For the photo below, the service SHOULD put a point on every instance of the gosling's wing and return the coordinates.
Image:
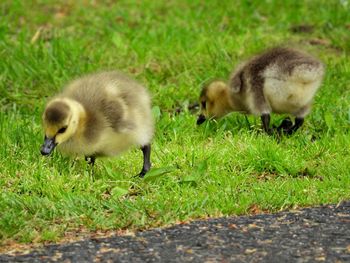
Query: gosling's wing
(115, 113)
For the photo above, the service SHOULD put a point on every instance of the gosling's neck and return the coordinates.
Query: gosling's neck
(234, 101)
(231, 101)
(225, 100)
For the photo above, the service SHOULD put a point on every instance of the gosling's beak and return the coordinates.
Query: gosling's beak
(201, 119)
(48, 146)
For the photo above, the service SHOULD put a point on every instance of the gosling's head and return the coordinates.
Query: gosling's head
(214, 101)
(60, 122)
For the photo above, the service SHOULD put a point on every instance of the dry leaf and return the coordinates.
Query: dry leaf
(250, 250)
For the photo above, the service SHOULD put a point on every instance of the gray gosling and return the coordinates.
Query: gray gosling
(281, 80)
(98, 115)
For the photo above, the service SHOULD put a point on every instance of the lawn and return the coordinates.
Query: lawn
(225, 167)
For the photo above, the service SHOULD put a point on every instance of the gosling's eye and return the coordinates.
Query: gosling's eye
(62, 130)
(203, 104)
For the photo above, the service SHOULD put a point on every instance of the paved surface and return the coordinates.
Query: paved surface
(311, 235)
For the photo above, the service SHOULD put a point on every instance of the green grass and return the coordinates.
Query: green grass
(226, 167)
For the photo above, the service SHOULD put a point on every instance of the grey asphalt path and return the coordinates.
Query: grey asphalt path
(320, 234)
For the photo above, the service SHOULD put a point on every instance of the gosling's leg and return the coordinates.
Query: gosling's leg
(265, 118)
(299, 119)
(285, 125)
(298, 123)
(90, 160)
(146, 150)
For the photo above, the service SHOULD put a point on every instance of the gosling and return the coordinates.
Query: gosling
(99, 115)
(281, 80)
